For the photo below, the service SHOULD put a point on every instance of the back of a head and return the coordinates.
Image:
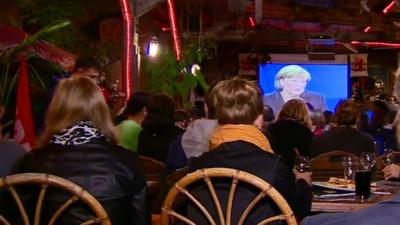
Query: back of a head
(317, 118)
(328, 115)
(163, 105)
(236, 102)
(136, 103)
(268, 113)
(347, 113)
(297, 110)
(77, 99)
(87, 62)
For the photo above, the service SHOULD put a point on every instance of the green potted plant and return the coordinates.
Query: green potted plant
(175, 78)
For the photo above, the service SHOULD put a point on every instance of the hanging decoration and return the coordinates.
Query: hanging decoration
(358, 65)
(127, 59)
(175, 36)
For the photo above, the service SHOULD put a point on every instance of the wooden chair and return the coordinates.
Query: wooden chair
(168, 214)
(328, 165)
(153, 169)
(155, 174)
(45, 181)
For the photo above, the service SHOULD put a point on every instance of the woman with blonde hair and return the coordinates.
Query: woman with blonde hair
(290, 135)
(79, 144)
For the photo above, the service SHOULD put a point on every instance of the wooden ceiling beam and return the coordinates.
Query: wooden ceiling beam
(322, 15)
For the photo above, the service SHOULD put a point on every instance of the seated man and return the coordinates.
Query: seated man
(130, 128)
(238, 143)
(345, 136)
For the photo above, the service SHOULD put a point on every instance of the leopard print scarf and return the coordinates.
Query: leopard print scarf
(76, 134)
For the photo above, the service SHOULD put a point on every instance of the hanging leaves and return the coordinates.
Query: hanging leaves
(166, 75)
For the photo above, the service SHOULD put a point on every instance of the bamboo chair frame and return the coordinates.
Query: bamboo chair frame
(205, 174)
(46, 180)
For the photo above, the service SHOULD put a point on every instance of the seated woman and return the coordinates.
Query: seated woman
(290, 135)
(238, 143)
(79, 144)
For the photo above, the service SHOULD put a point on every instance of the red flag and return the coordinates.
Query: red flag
(24, 132)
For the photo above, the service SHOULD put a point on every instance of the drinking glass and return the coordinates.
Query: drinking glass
(363, 184)
(368, 160)
(349, 168)
(388, 157)
(301, 164)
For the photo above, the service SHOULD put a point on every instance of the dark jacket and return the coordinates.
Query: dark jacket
(250, 158)
(109, 172)
(285, 135)
(343, 138)
(275, 100)
(157, 135)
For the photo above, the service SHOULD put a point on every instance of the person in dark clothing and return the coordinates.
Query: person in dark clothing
(158, 130)
(345, 136)
(238, 143)
(290, 135)
(387, 133)
(79, 144)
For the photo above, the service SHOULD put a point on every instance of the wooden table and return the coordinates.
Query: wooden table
(350, 205)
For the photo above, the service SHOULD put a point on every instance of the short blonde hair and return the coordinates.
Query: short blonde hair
(77, 99)
(291, 71)
(236, 102)
(296, 109)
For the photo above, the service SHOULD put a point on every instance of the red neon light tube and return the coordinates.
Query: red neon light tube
(175, 36)
(367, 29)
(377, 44)
(389, 7)
(127, 65)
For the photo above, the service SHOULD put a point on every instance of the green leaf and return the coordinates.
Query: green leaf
(38, 35)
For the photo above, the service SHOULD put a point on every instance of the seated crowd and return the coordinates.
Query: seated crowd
(81, 143)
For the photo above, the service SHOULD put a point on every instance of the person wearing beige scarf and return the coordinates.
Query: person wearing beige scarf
(238, 143)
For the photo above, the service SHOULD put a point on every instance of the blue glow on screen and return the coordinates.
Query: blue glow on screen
(331, 80)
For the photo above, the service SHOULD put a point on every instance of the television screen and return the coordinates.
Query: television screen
(329, 80)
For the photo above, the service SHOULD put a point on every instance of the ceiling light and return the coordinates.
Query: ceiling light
(153, 47)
